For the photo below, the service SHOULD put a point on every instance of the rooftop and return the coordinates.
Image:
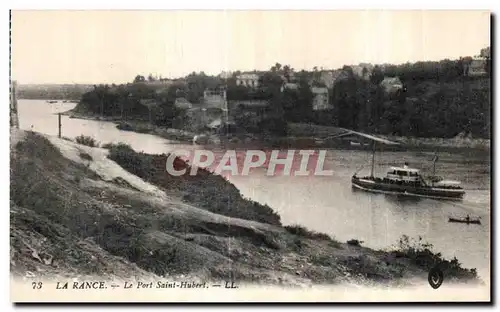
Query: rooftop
(247, 76)
(404, 169)
(391, 80)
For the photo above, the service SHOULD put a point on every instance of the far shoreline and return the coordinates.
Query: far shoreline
(141, 125)
(306, 141)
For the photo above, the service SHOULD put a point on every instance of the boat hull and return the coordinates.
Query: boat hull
(464, 221)
(381, 186)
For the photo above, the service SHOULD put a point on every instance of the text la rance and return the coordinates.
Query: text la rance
(81, 285)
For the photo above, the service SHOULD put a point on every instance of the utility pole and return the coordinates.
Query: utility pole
(59, 124)
(373, 159)
(149, 111)
(226, 112)
(102, 105)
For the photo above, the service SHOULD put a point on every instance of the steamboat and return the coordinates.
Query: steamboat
(407, 181)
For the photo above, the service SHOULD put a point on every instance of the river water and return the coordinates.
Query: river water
(327, 203)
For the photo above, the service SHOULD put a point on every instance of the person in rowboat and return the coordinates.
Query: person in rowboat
(468, 218)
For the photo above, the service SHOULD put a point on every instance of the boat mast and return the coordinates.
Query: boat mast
(373, 158)
(434, 164)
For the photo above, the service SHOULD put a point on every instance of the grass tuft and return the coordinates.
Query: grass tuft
(86, 140)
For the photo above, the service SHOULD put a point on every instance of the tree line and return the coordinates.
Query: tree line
(52, 91)
(438, 99)
(131, 101)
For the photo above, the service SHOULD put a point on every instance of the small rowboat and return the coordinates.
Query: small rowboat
(464, 220)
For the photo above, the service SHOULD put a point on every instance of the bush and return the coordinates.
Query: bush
(322, 260)
(302, 231)
(107, 145)
(137, 163)
(421, 254)
(355, 242)
(204, 190)
(124, 126)
(86, 140)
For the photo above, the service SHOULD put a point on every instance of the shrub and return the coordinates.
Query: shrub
(322, 260)
(355, 242)
(107, 145)
(204, 190)
(86, 140)
(137, 163)
(124, 126)
(302, 231)
(421, 254)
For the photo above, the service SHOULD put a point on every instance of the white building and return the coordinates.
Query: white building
(391, 84)
(182, 102)
(289, 86)
(321, 99)
(214, 98)
(477, 67)
(248, 80)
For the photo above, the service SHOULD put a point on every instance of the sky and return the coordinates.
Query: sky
(115, 46)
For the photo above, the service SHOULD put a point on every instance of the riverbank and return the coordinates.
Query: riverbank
(459, 142)
(300, 135)
(136, 125)
(79, 210)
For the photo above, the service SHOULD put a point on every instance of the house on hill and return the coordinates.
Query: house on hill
(213, 98)
(321, 98)
(392, 84)
(289, 86)
(182, 102)
(250, 80)
(477, 67)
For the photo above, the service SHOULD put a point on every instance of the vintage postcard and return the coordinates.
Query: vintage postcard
(250, 156)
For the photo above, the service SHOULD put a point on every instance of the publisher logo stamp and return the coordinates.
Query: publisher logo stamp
(435, 277)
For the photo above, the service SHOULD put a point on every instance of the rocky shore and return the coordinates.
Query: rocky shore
(300, 136)
(137, 125)
(460, 141)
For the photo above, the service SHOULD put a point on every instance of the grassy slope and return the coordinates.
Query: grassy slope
(75, 212)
